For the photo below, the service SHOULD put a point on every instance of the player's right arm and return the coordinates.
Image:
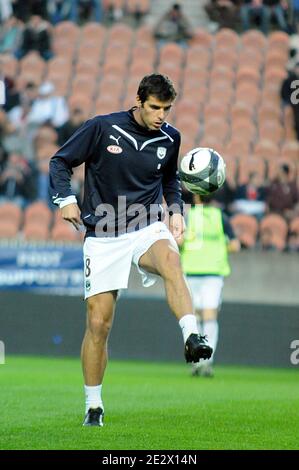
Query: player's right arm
(72, 213)
(77, 150)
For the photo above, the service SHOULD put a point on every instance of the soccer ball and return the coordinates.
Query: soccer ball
(202, 170)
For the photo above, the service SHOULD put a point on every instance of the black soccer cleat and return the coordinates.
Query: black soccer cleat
(197, 348)
(94, 417)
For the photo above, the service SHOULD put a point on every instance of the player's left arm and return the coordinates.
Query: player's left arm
(173, 194)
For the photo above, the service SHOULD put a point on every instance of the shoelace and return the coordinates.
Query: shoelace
(203, 338)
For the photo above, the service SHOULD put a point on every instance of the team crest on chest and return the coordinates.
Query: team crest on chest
(161, 152)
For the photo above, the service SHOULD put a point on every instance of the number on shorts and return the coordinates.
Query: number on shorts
(87, 267)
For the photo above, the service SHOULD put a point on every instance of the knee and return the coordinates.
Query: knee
(98, 323)
(172, 266)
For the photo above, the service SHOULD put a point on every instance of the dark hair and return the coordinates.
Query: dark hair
(157, 85)
(285, 168)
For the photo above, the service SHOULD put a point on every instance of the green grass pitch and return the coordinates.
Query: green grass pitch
(148, 406)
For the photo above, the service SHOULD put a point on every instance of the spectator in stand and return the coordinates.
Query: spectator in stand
(16, 181)
(113, 13)
(76, 119)
(250, 198)
(295, 15)
(290, 96)
(48, 107)
(173, 26)
(12, 96)
(224, 197)
(36, 37)
(6, 10)
(10, 35)
(283, 195)
(59, 10)
(86, 10)
(23, 132)
(25, 9)
(224, 13)
(263, 10)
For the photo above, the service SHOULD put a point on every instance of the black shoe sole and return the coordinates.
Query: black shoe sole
(203, 353)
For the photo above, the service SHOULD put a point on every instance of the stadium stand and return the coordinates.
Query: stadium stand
(229, 98)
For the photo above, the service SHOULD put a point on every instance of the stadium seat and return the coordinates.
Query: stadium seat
(94, 32)
(144, 52)
(248, 93)
(202, 38)
(172, 52)
(120, 33)
(144, 35)
(273, 232)
(143, 6)
(240, 111)
(65, 232)
(290, 150)
(198, 58)
(251, 58)
(186, 107)
(245, 129)
(38, 212)
(225, 57)
(293, 241)
(215, 110)
(10, 65)
(246, 229)
(67, 30)
(270, 130)
(246, 74)
(249, 166)
(33, 61)
(266, 149)
(219, 73)
(10, 212)
(237, 147)
(217, 127)
(226, 37)
(278, 40)
(276, 59)
(35, 231)
(8, 229)
(254, 39)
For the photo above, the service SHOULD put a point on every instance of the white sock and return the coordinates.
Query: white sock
(210, 328)
(188, 325)
(93, 397)
(199, 325)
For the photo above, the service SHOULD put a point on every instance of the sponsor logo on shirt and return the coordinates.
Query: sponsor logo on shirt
(114, 149)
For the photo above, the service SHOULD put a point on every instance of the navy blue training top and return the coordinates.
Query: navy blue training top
(124, 159)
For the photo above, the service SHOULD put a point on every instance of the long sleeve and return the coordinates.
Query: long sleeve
(171, 184)
(74, 152)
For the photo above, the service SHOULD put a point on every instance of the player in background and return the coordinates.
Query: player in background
(130, 164)
(204, 254)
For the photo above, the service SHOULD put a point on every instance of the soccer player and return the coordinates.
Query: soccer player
(204, 254)
(130, 163)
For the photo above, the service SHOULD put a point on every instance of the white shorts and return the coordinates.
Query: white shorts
(206, 291)
(107, 261)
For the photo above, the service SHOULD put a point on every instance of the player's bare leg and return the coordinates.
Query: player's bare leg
(162, 258)
(100, 311)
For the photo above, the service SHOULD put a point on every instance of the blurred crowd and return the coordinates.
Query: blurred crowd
(36, 118)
